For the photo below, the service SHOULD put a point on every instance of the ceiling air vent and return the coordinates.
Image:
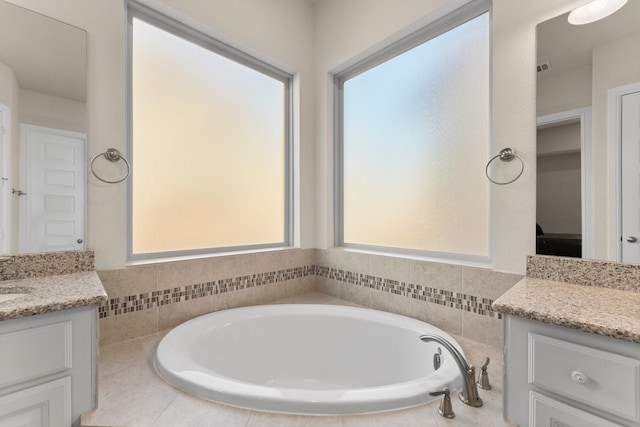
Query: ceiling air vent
(545, 66)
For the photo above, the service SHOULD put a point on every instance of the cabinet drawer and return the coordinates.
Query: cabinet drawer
(36, 352)
(547, 412)
(600, 379)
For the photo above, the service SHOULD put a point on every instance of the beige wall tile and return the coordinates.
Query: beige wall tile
(123, 327)
(172, 315)
(239, 298)
(485, 329)
(446, 318)
(487, 283)
(268, 293)
(355, 294)
(301, 257)
(328, 286)
(322, 257)
(232, 266)
(388, 267)
(301, 285)
(183, 273)
(270, 261)
(392, 303)
(129, 281)
(355, 262)
(437, 275)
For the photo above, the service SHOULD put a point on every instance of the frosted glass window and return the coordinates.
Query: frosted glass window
(415, 141)
(209, 148)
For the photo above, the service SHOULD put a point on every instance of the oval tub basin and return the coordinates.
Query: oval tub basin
(306, 359)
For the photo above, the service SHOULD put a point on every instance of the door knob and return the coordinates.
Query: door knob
(632, 239)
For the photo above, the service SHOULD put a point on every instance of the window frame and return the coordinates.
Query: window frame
(431, 30)
(201, 37)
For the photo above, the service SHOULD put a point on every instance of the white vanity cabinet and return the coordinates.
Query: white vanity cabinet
(47, 368)
(561, 377)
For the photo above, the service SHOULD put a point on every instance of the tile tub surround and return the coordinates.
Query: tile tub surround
(23, 266)
(147, 299)
(131, 394)
(604, 299)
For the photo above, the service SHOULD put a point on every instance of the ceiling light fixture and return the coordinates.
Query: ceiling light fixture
(595, 10)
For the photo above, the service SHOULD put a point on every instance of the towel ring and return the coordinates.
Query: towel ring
(112, 155)
(506, 155)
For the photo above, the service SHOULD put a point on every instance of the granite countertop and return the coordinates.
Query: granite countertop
(600, 310)
(50, 293)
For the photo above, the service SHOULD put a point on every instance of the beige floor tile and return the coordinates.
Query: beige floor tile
(265, 419)
(420, 416)
(114, 357)
(189, 411)
(132, 408)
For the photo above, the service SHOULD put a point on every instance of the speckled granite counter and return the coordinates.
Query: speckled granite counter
(604, 301)
(51, 293)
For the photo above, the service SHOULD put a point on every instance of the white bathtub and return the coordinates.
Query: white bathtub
(306, 359)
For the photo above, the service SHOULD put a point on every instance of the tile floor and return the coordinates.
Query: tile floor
(131, 394)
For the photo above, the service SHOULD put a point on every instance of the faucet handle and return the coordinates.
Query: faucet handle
(483, 378)
(445, 409)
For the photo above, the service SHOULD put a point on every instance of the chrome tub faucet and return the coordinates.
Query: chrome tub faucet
(469, 393)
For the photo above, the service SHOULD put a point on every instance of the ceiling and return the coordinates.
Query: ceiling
(568, 47)
(46, 55)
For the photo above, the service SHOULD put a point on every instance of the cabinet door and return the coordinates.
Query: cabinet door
(45, 405)
(547, 412)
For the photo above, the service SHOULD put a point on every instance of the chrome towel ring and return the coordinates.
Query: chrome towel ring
(112, 155)
(506, 155)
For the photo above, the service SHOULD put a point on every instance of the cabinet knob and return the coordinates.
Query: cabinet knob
(579, 377)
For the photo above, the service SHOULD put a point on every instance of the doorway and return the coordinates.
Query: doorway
(554, 158)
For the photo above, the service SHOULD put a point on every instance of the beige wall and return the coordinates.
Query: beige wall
(565, 91)
(286, 31)
(51, 111)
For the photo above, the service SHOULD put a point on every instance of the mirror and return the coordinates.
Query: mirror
(578, 68)
(43, 146)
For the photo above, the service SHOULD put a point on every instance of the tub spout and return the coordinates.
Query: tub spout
(469, 393)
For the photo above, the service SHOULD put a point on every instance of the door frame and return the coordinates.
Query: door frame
(584, 116)
(614, 132)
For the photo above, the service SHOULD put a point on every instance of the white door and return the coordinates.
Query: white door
(53, 214)
(630, 177)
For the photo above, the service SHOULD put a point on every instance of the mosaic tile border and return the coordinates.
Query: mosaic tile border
(455, 300)
(132, 303)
